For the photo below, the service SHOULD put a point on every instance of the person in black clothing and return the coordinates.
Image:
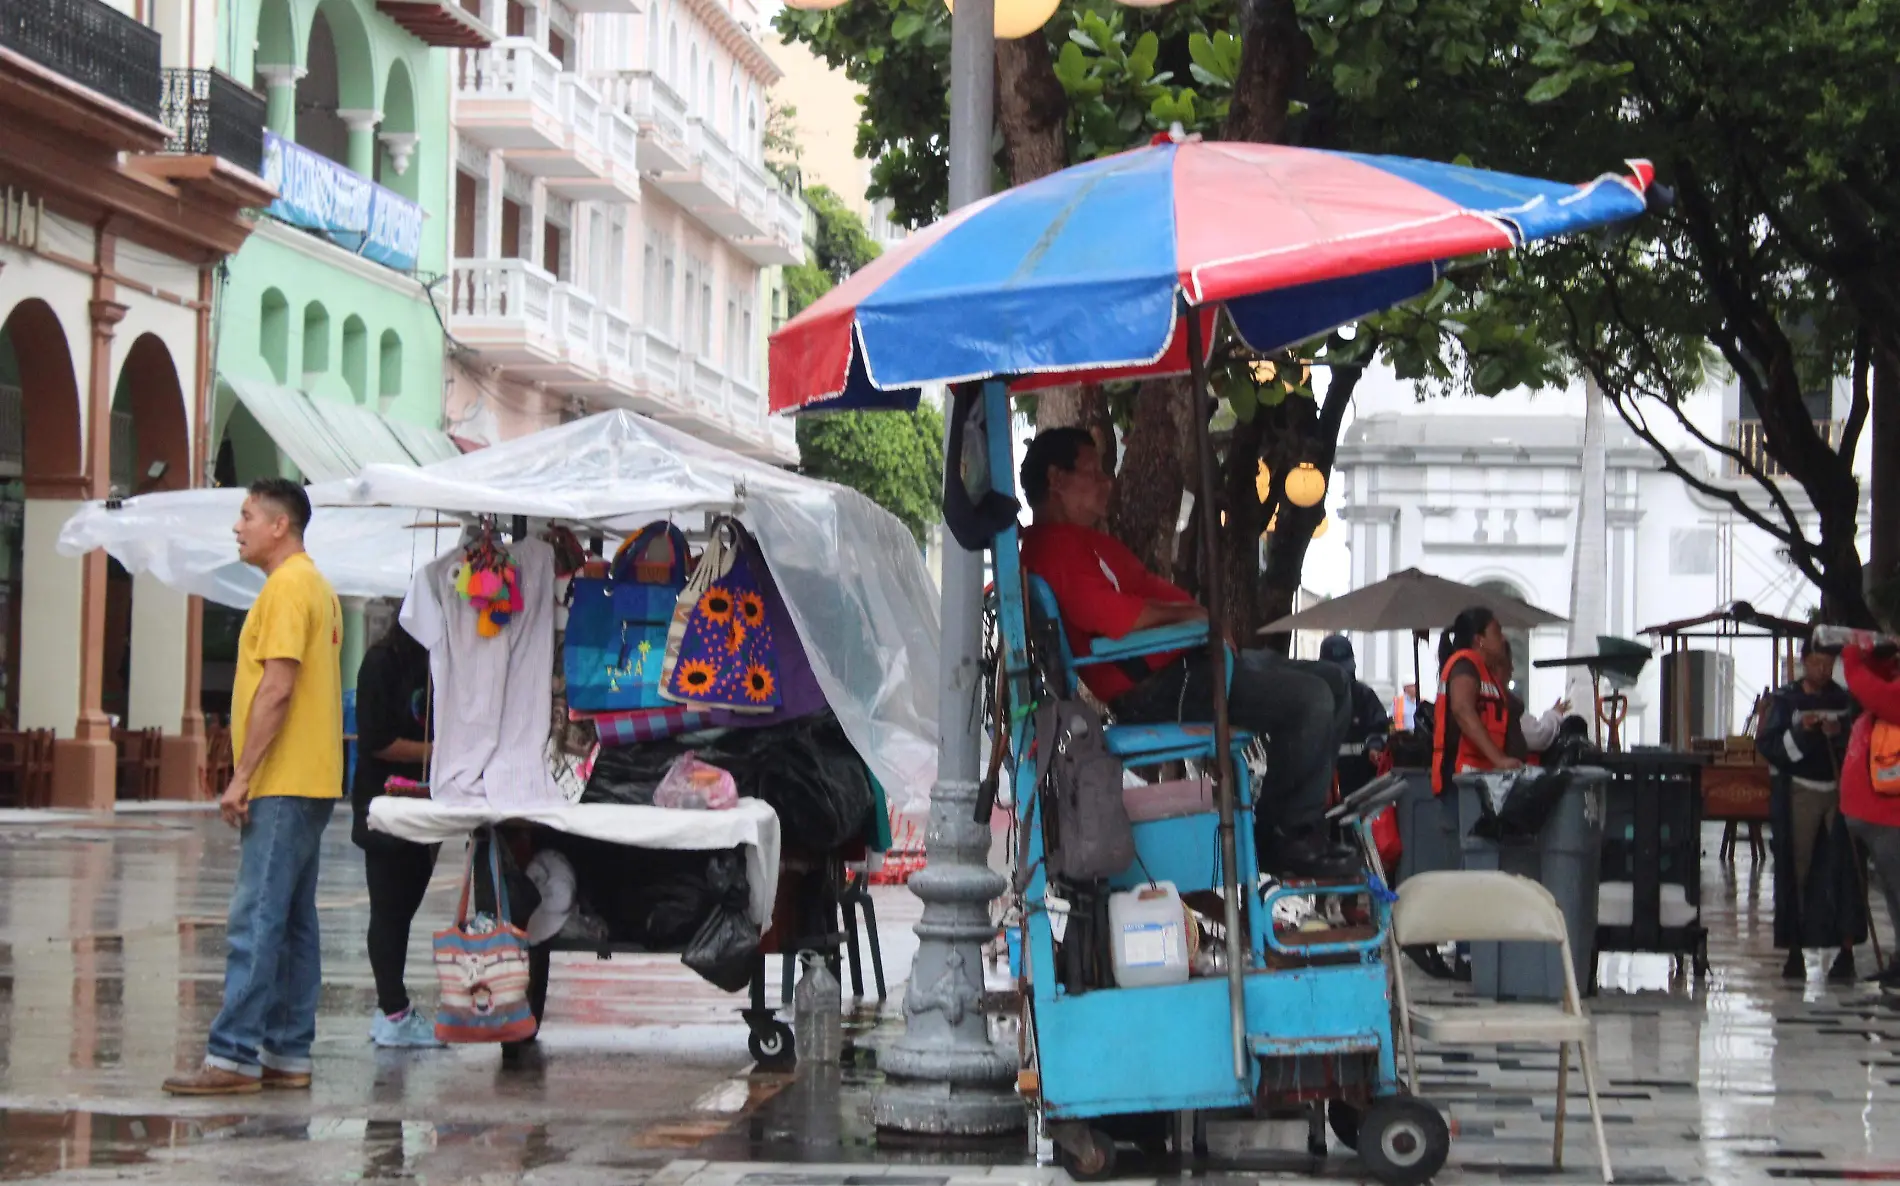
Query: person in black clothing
(392, 739)
(1817, 893)
(1370, 722)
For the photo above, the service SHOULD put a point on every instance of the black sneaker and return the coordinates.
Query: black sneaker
(1796, 968)
(1304, 856)
(1843, 971)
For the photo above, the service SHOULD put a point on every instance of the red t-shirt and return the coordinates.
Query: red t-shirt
(1876, 685)
(1101, 589)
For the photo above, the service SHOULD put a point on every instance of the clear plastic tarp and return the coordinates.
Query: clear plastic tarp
(852, 576)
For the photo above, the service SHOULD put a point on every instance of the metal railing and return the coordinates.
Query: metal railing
(91, 43)
(212, 114)
(1748, 438)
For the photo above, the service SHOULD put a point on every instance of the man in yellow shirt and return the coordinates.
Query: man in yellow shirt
(287, 734)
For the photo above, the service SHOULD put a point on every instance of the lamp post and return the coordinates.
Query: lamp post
(946, 1078)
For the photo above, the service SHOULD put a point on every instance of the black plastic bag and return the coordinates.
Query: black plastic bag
(1530, 797)
(806, 770)
(725, 949)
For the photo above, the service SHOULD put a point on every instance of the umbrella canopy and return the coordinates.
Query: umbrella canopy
(1411, 600)
(1082, 275)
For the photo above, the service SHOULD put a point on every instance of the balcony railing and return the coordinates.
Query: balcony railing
(1747, 438)
(512, 68)
(91, 43)
(502, 290)
(581, 111)
(212, 114)
(716, 163)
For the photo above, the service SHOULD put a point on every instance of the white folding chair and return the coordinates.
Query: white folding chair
(1481, 907)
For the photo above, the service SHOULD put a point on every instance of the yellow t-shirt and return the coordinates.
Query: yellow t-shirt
(297, 616)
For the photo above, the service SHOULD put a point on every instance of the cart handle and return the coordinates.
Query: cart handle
(1367, 946)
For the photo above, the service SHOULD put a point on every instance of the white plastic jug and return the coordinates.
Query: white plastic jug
(1148, 931)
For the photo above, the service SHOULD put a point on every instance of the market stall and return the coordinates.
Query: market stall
(840, 590)
(1735, 783)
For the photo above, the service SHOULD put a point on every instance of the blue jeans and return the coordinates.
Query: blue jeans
(272, 975)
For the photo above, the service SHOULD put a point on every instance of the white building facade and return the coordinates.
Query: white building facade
(613, 219)
(1486, 493)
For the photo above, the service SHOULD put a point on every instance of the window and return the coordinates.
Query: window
(510, 229)
(705, 314)
(316, 339)
(754, 144)
(666, 291)
(389, 366)
(732, 336)
(673, 54)
(748, 347)
(356, 357)
(691, 336)
(467, 199)
(653, 35)
(650, 280)
(554, 256)
(273, 333)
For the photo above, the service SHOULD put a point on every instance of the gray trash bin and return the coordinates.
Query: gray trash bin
(1564, 859)
(1428, 827)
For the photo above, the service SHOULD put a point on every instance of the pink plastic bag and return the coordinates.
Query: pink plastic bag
(696, 786)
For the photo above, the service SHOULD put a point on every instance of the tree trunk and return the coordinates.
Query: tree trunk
(1031, 109)
(1307, 434)
(1273, 59)
(1147, 506)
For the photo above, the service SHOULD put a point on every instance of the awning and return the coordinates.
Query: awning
(328, 439)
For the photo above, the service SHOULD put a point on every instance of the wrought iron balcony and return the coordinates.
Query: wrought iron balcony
(89, 42)
(1751, 440)
(212, 114)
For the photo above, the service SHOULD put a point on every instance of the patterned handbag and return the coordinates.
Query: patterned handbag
(483, 975)
(615, 645)
(719, 648)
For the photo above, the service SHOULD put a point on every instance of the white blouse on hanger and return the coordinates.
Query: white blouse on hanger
(493, 696)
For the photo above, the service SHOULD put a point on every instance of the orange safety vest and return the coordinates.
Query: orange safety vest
(1452, 752)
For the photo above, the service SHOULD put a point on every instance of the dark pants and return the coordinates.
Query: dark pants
(398, 874)
(1303, 708)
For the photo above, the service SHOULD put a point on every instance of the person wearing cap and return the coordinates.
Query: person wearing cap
(1370, 722)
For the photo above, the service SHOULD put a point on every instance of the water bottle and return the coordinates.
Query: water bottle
(818, 1013)
(1833, 638)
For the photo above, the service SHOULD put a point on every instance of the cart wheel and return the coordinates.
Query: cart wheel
(1089, 1156)
(1404, 1142)
(771, 1046)
(1344, 1119)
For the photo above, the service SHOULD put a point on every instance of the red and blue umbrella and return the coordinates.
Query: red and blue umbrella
(1085, 274)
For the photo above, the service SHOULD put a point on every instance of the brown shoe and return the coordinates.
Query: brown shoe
(276, 1080)
(209, 1080)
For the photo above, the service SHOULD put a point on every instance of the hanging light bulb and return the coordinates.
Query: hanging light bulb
(1263, 482)
(813, 5)
(1018, 18)
(1306, 486)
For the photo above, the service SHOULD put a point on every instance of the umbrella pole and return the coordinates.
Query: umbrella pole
(1223, 729)
(1418, 683)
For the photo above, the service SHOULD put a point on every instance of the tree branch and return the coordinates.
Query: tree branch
(1863, 401)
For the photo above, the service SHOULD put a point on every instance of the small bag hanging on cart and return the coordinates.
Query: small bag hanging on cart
(615, 648)
(483, 974)
(720, 651)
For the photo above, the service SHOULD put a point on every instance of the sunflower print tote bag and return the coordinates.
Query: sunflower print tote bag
(720, 650)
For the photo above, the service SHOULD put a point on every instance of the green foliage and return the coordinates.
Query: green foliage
(892, 458)
(841, 248)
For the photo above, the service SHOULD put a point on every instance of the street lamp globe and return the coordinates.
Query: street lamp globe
(1018, 18)
(1305, 486)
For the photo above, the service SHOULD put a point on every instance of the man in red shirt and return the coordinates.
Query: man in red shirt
(1873, 678)
(1104, 591)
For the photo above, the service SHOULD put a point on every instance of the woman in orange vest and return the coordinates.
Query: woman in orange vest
(1473, 705)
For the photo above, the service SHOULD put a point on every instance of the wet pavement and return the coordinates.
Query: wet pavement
(111, 963)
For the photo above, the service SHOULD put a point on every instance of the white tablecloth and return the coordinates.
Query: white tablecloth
(751, 824)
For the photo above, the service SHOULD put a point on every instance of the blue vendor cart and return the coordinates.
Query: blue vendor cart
(1130, 267)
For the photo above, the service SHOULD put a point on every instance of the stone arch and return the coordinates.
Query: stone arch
(733, 119)
(356, 357)
(389, 366)
(341, 75)
(689, 90)
(656, 22)
(316, 338)
(277, 40)
(149, 389)
(41, 358)
(399, 150)
(673, 54)
(273, 333)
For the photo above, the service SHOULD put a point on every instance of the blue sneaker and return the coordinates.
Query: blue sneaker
(415, 1030)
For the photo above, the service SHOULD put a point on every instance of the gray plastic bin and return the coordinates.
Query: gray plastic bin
(1428, 828)
(1565, 859)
